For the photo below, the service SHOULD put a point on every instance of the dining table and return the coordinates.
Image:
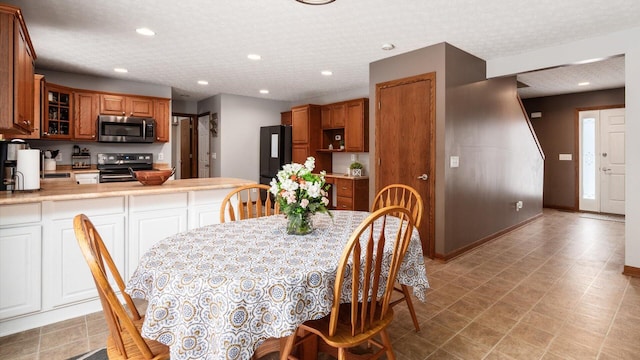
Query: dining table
(220, 291)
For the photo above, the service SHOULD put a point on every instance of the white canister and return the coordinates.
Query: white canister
(49, 164)
(28, 170)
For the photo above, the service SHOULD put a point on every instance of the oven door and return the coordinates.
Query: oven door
(107, 176)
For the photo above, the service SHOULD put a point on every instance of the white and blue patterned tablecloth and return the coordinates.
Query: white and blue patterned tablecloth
(219, 291)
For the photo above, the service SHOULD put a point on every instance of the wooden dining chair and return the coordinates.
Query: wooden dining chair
(124, 340)
(249, 201)
(368, 311)
(407, 197)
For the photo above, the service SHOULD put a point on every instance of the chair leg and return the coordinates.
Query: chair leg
(412, 311)
(386, 341)
(285, 352)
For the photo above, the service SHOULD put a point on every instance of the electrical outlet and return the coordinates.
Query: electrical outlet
(160, 156)
(354, 157)
(519, 205)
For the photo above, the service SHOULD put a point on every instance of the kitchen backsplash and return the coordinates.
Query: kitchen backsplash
(66, 149)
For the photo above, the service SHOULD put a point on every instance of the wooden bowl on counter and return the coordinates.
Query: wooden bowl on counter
(152, 177)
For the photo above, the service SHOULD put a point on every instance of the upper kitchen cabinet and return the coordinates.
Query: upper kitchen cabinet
(161, 109)
(356, 129)
(86, 105)
(17, 70)
(306, 136)
(285, 118)
(112, 104)
(333, 115)
(57, 122)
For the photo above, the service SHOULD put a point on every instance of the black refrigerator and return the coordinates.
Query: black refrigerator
(275, 150)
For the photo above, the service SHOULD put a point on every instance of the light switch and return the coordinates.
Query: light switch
(454, 161)
(565, 157)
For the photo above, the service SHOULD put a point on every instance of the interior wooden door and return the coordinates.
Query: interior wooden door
(405, 143)
(185, 148)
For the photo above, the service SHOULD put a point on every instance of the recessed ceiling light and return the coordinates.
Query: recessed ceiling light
(254, 57)
(121, 70)
(203, 82)
(264, 91)
(315, 2)
(388, 47)
(326, 72)
(584, 83)
(145, 31)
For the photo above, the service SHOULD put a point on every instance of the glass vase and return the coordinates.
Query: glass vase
(299, 224)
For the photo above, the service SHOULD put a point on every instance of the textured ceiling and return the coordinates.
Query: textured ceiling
(210, 39)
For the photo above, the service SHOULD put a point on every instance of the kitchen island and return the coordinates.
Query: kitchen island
(43, 276)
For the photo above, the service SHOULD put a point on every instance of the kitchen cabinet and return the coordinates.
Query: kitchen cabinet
(285, 118)
(122, 105)
(356, 129)
(20, 259)
(38, 109)
(43, 275)
(333, 115)
(153, 218)
(17, 63)
(306, 136)
(67, 278)
(86, 177)
(161, 110)
(352, 193)
(58, 121)
(86, 108)
(204, 208)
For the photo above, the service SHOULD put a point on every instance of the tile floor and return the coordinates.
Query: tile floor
(552, 289)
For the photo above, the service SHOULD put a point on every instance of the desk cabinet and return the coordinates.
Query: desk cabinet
(351, 193)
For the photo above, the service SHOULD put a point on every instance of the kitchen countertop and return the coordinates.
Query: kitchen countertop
(344, 176)
(70, 191)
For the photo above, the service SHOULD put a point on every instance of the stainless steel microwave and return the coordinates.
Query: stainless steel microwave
(126, 129)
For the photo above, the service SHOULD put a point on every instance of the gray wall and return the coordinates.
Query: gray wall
(238, 142)
(556, 131)
(481, 122)
(499, 163)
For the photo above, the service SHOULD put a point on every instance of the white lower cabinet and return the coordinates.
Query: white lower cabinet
(205, 207)
(151, 219)
(68, 279)
(43, 276)
(20, 261)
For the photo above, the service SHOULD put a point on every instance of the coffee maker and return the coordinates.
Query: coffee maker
(9, 161)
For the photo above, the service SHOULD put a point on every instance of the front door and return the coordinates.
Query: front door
(602, 160)
(405, 143)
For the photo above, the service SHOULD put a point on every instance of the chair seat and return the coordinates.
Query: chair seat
(343, 337)
(160, 350)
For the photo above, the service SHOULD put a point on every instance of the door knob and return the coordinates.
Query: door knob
(423, 177)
